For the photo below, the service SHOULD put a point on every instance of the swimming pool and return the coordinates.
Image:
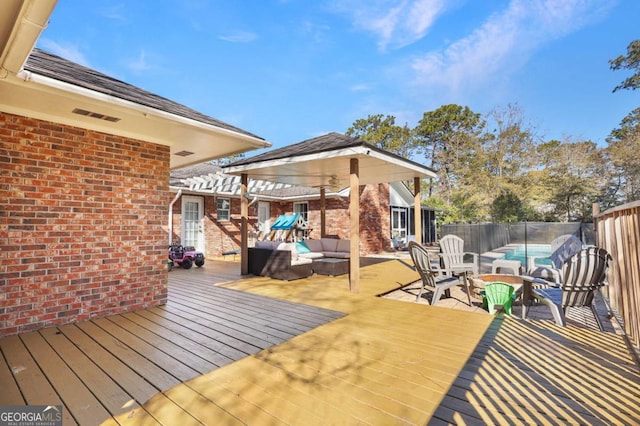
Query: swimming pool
(532, 250)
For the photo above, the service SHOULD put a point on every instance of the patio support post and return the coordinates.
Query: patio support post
(354, 221)
(417, 210)
(244, 222)
(323, 213)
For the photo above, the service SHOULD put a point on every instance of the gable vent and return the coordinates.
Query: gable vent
(95, 115)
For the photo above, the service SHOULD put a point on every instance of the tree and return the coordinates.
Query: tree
(623, 153)
(508, 146)
(574, 176)
(507, 207)
(382, 132)
(448, 138)
(629, 62)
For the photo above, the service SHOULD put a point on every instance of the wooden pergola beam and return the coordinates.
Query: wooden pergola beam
(354, 225)
(244, 224)
(417, 210)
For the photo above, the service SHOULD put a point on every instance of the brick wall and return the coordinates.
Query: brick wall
(220, 236)
(81, 224)
(375, 218)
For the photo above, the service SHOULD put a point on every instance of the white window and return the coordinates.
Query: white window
(223, 206)
(302, 209)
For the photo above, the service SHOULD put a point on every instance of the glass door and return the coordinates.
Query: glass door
(399, 224)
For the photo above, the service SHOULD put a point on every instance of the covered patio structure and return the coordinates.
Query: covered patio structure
(330, 161)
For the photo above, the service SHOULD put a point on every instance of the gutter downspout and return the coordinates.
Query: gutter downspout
(171, 214)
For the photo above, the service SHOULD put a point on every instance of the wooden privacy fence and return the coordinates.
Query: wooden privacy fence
(618, 231)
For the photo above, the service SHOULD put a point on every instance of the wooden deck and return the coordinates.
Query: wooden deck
(384, 362)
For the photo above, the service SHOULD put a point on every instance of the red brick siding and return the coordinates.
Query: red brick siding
(375, 219)
(82, 224)
(220, 236)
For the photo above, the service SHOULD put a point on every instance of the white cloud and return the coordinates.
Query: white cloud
(504, 43)
(139, 64)
(359, 87)
(70, 52)
(396, 24)
(239, 37)
(115, 12)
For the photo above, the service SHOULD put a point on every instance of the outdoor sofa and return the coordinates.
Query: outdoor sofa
(290, 261)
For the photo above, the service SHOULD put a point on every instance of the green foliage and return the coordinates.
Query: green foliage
(449, 140)
(382, 132)
(507, 207)
(623, 153)
(630, 61)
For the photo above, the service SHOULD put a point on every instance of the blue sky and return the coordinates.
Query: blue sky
(289, 70)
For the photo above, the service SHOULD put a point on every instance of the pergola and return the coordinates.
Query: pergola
(329, 161)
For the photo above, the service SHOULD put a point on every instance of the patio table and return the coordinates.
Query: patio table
(527, 291)
(463, 269)
(330, 266)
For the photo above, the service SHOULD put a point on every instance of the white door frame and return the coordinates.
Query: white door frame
(402, 231)
(187, 205)
(265, 225)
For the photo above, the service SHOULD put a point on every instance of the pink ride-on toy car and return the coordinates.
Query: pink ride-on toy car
(185, 256)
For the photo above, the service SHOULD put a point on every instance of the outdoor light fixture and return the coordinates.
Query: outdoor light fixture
(334, 183)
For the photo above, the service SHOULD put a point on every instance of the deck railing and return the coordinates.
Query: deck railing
(618, 231)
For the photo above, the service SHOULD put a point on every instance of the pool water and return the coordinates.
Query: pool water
(532, 250)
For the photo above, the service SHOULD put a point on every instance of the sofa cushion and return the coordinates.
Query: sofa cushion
(301, 261)
(311, 255)
(344, 246)
(314, 245)
(289, 247)
(272, 245)
(329, 244)
(302, 248)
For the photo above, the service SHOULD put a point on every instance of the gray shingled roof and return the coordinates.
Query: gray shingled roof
(178, 176)
(57, 68)
(328, 142)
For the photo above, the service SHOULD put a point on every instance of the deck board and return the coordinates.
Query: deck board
(33, 382)
(76, 397)
(107, 391)
(11, 391)
(134, 385)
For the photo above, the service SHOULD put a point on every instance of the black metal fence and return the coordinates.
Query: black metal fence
(484, 237)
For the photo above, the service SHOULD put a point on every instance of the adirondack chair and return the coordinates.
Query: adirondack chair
(439, 285)
(453, 256)
(498, 294)
(583, 274)
(562, 248)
